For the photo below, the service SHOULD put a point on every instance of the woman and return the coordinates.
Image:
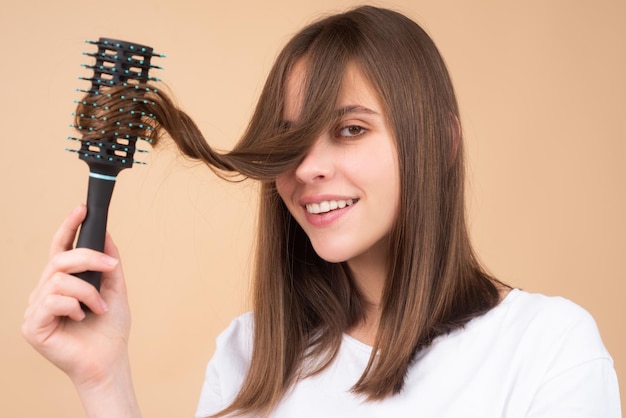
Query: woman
(368, 300)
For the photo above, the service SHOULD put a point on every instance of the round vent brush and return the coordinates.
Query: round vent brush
(110, 120)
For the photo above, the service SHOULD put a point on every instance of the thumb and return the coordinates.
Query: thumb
(113, 281)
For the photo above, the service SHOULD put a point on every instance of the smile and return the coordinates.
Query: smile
(328, 205)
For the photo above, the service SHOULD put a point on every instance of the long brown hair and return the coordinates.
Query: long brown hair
(303, 304)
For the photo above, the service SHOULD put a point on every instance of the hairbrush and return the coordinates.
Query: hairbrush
(110, 120)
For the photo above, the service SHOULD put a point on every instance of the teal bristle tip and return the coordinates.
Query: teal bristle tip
(112, 68)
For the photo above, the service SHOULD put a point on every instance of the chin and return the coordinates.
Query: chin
(333, 258)
(332, 254)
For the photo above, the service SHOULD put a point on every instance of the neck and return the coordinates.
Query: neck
(369, 272)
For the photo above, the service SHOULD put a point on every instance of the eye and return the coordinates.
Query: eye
(351, 131)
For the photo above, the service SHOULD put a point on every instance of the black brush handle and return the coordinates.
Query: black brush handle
(93, 230)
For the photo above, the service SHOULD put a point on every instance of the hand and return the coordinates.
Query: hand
(90, 348)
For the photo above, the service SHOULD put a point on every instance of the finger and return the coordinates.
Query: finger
(76, 261)
(64, 237)
(41, 320)
(71, 286)
(79, 260)
(110, 248)
(113, 280)
(61, 305)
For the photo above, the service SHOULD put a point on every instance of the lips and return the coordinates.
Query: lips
(326, 206)
(324, 211)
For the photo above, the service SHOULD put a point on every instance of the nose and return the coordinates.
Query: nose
(317, 165)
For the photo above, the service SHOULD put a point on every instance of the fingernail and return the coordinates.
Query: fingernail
(104, 305)
(109, 260)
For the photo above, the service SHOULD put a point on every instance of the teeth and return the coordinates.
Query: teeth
(327, 206)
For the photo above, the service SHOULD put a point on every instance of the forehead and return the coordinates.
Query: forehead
(355, 90)
(294, 91)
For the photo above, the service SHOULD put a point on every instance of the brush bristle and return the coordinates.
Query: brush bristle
(115, 111)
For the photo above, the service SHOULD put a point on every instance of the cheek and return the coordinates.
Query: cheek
(284, 187)
(388, 185)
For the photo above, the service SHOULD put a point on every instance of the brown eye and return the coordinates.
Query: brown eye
(351, 131)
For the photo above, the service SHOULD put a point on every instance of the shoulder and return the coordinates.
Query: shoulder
(233, 346)
(552, 327)
(552, 314)
(238, 333)
(227, 368)
(560, 356)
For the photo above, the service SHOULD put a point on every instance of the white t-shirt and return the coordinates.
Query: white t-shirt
(531, 356)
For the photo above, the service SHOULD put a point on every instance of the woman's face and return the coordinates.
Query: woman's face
(345, 192)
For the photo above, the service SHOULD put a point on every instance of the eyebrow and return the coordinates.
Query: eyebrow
(355, 109)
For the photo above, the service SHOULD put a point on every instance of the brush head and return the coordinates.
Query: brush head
(114, 113)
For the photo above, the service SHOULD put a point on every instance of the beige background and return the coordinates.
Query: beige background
(542, 90)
